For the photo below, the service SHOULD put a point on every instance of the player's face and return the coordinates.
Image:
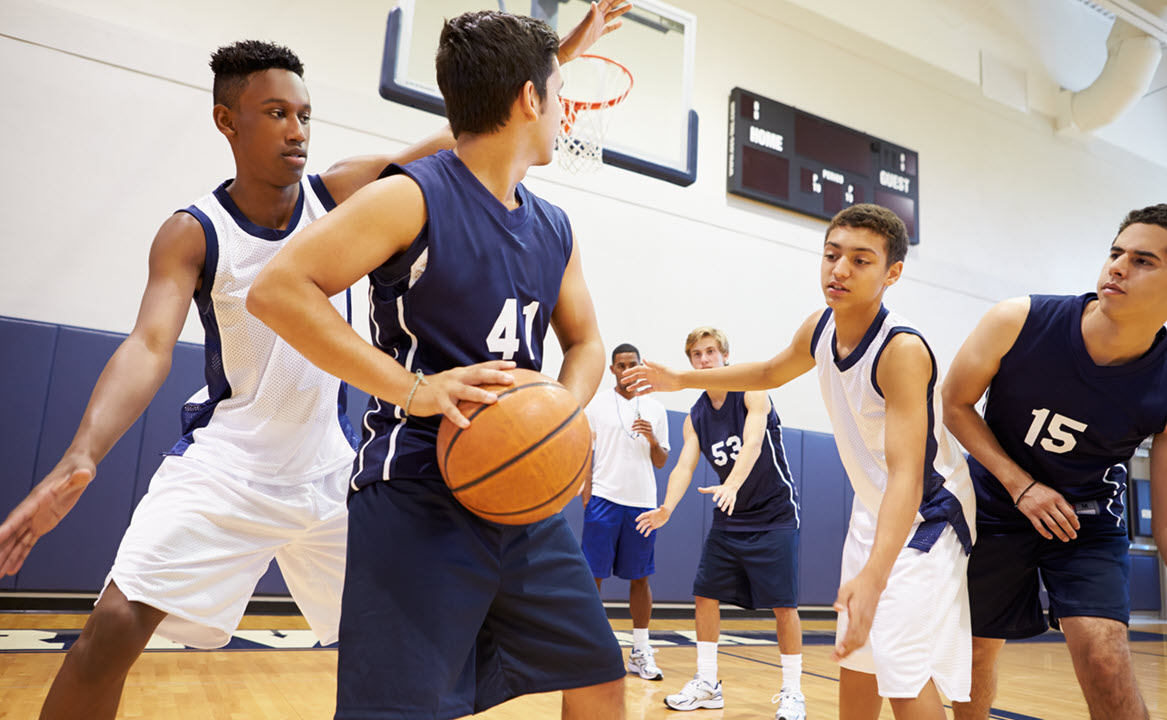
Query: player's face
(706, 354)
(271, 122)
(1134, 277)
(551, 117)
(855, 271)
(624, 361)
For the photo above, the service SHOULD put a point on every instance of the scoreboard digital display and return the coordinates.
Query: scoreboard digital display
(783, 156)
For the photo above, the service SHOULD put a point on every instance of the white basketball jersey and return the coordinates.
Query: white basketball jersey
(267, 412)
(858, 415)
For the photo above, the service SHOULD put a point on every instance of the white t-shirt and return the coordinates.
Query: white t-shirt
(622, 470)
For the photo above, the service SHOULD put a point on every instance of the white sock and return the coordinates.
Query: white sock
(639, 638)
(792, 672)
(707, 661)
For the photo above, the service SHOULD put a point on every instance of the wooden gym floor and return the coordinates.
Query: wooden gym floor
(1037, 680)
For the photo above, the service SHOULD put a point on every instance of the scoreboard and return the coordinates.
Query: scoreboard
(783, 156)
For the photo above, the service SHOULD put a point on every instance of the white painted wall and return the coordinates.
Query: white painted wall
(107, 130)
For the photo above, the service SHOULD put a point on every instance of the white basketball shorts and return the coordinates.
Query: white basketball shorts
(200, 540)
(921, 628)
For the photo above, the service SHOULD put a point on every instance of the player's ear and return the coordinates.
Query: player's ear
(224, 120)
(893, 273)
(529, 103)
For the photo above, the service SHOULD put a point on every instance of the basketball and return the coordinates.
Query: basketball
(524, 457)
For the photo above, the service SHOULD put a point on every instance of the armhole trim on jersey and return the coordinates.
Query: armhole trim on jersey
(818, 331)
(211, 259)
(1026, 325)
(322, 193)
(879, 353)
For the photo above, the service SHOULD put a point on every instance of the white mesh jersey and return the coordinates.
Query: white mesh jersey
(857, 409)
(267, 413)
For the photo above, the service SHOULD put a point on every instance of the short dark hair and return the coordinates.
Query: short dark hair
(1150, 215)
(484, 59)
(232, 64)
(625, 348)
(879, 220)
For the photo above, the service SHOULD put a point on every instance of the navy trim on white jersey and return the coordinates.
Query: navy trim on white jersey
(818, 330)
(322, 195)
(197, 415)
(259, 231)
(868, 337)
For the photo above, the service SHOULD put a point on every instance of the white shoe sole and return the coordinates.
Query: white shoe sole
(711, 704)
(636, 671)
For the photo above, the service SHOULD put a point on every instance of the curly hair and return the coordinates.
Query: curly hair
(232, 64)
(1150, 215)
(879, 220)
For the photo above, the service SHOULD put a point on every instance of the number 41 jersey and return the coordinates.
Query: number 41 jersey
(1066, 421)
(479, 283)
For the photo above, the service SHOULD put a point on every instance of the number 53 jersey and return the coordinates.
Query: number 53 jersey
(1065, 420)
(479, 283)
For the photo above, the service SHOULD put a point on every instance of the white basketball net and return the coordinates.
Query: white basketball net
(594, 86)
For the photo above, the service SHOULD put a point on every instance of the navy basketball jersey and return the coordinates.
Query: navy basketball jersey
(478, 283)
(767, 499)
(1066, 421)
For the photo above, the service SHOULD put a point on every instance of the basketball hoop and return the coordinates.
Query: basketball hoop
(597, 85)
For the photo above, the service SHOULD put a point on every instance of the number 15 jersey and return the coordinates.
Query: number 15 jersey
(1066, 421)
(479, 283)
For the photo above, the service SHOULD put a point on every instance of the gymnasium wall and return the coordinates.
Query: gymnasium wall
(108, 130)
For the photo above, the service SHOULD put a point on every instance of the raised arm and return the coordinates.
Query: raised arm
(679, 480)
(351, 174)
(574, 322)
(123, 391)
(903, 374)
(793, 361)
(291, 296)
(972, 370)
(757, 412)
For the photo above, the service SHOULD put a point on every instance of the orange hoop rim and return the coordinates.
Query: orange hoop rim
(574, 106)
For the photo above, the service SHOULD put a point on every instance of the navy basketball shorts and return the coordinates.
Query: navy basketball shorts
(750, 569)
(446, 615)
(1085, 577)
(611, 542)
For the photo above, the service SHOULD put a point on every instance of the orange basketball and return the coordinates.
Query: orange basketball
(524, 457)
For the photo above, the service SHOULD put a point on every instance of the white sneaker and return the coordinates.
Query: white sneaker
(643, 663)
(791, 705)
(697, 693)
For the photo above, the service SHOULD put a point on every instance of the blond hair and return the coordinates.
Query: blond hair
(707, 331)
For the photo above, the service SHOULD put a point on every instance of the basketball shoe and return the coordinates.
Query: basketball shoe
(791, 705)
(642, 662)
(697, 693)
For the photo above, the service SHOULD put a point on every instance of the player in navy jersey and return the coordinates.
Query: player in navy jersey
(446, 614)
(1074, 385)
(208, 527)
(910, 528)
(750, 558)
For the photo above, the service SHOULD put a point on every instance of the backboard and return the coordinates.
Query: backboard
(653, 132)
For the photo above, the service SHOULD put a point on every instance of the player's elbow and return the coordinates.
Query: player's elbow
(263, 296)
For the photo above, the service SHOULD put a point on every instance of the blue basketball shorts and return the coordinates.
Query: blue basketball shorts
(1085, 577)
(750, 569)
(611, 542)
(445, 614)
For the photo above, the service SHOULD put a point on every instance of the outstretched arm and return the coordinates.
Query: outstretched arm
(351, 174)
(972, 370)
(757, 412)
(795, 360)
(903, 374)
(291, 294)
(679, 480)
(123, 391)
